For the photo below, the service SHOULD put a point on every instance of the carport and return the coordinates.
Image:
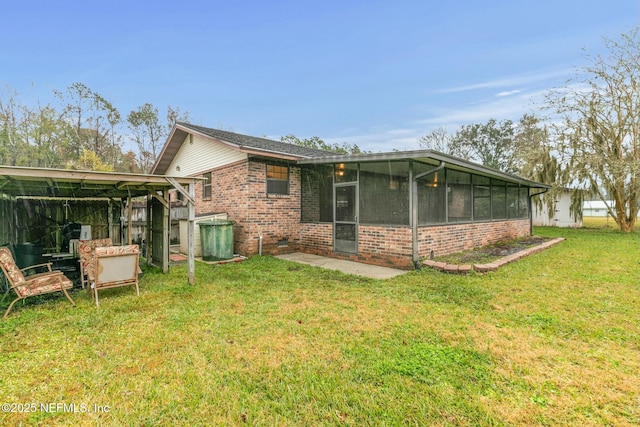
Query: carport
(36, 204)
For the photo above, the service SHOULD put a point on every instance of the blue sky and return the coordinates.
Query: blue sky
(376, 73)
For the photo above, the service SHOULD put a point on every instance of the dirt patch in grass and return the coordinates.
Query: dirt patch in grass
(493, 252)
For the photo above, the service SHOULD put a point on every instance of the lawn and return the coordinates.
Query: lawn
(548, 340)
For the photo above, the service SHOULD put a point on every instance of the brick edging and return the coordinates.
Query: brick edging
(492, 266)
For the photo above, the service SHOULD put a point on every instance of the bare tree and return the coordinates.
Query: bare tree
(438, 139)
(148, 132)
(599, 136)
(10, 141)
(92, 122)
(174, 115)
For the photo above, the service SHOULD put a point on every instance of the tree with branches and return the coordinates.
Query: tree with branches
(148, 132)
(598, 137)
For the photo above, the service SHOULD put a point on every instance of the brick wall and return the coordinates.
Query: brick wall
(239, 189)
(274, 217)
(392, 246)
(228, 194)
(448, 239)
(378, 245)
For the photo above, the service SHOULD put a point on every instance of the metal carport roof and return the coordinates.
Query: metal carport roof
(25, 182)
(42, 182)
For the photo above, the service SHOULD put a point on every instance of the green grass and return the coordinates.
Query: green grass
(548, 340)
(603, 222)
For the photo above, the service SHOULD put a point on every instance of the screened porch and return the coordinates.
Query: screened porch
(410, 190)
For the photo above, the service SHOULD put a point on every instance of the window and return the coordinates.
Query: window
(481, 198)
(458, 196)
(512, 201)
(499, 199)
(317, 193)
(206, 186)
(346, 172)
(384, 193)
(277, 179)
(432, 199)
(523, 203)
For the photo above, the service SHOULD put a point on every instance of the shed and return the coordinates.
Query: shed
(560, 214)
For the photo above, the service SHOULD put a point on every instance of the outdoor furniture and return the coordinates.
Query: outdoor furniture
(35, 284)
(86, 252)
(114, 266)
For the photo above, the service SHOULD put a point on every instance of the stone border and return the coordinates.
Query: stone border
(492, 266)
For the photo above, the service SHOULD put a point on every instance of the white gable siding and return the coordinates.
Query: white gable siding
(201, 155)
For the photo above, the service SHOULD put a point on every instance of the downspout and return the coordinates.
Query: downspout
(414, 210)
(531, 196)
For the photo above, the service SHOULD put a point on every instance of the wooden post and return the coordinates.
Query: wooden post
(191, 234)
(149, 246)
(129, 219)
(166, 221)
(190, 195)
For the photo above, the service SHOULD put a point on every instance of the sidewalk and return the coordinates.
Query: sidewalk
(348, 267)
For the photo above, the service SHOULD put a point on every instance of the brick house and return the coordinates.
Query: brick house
(384, 208)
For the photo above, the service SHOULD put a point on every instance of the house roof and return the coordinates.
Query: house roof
(429, 157)
(244, 143)
(60, 183)
(304, 155)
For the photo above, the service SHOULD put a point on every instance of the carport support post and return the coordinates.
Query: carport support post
(190, 195)
(191, 234)
(129, 219)
(149, 246)
(166, 241)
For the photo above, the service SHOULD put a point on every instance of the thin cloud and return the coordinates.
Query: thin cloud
(384, 140)
(508, 92)
(511, 105)
(499, 108)
(519, 80)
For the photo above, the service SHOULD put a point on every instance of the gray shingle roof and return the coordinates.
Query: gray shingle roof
(259, 143)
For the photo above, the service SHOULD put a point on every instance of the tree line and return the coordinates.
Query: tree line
(81, 129)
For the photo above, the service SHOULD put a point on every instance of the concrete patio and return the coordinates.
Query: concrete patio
(348, 267)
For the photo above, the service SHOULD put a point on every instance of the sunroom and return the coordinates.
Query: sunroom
(396, 208)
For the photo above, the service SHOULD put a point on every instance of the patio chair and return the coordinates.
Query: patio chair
(4, 283)
(35, 284)
(114, 266)
(86, 252)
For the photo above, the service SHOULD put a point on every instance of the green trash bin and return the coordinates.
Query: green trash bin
(216, 238)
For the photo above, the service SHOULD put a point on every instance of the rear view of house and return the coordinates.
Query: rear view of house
(383, 208)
